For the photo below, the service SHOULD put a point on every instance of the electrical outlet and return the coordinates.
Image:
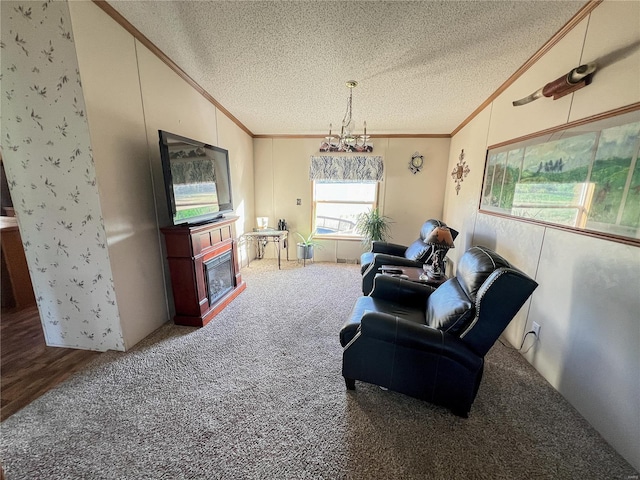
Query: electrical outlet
(536, 329)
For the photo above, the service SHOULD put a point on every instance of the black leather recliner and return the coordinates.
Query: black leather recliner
(430, 342)
(385, 253)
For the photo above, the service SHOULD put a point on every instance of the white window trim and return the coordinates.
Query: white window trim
(333, 236)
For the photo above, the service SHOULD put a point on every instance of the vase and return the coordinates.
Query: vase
(305, 252)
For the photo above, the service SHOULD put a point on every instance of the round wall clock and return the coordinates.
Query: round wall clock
(416, 163)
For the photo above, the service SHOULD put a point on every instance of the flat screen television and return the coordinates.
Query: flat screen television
(197, 179)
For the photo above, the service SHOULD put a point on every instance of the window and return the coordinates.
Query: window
(336, 206)
(343, 188)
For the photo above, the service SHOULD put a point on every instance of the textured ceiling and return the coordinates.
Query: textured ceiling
(280, 67)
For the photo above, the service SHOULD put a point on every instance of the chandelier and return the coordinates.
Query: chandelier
(348, 140)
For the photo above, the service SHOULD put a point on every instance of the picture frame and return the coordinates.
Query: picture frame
(583, 176)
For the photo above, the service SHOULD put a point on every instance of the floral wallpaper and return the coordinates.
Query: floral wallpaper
(49, 164)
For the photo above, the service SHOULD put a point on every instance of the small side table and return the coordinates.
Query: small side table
(262, 237)
(412, 274)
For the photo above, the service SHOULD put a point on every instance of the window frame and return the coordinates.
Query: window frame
(333, 236)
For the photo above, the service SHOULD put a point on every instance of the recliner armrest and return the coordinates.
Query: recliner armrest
(380, 259)
(400, 290)
(388, 248)
(408, 334)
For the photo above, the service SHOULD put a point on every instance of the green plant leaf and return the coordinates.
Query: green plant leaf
(308, 240)
(373, 226)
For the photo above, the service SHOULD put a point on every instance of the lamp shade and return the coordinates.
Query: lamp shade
(440, 236)
(262, 222)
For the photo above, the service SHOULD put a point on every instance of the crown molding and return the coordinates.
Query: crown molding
(118, 18)
(559, 35)
(113, 13)
(379, 135)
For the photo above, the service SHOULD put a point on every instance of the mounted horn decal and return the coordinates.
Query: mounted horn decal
(579, 77)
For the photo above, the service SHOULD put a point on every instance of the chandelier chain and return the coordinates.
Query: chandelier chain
(346, 121)
(347, 140)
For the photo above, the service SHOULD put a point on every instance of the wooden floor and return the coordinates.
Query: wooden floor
(28, 367)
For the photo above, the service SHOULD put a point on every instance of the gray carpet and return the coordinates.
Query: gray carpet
(257, 394)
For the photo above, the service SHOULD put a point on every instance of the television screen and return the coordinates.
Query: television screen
(197, 179)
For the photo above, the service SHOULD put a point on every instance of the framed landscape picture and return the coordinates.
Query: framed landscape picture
(584, 176)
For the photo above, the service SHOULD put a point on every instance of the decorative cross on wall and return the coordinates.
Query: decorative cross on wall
(460, 171)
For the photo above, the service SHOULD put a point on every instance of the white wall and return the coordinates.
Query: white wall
(588, 300)
(132, 94)
(91, 220)
(52, 177)
(282, 171)
(240, 146)
(108, 65)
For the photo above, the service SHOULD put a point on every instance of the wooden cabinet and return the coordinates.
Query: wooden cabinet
(18, 290)
(204, 268)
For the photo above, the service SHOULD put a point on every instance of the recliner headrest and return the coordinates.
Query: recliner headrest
(475, 266)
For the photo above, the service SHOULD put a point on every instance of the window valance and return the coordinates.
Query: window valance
(346, 169)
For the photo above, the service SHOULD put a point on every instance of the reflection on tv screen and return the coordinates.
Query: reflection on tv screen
(194, 187)
(195, 199)
(197, 179)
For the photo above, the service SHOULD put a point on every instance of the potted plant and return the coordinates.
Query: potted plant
(373, 227)
(305, 246)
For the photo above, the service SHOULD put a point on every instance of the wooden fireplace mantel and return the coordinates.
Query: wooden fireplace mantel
(188, 249)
